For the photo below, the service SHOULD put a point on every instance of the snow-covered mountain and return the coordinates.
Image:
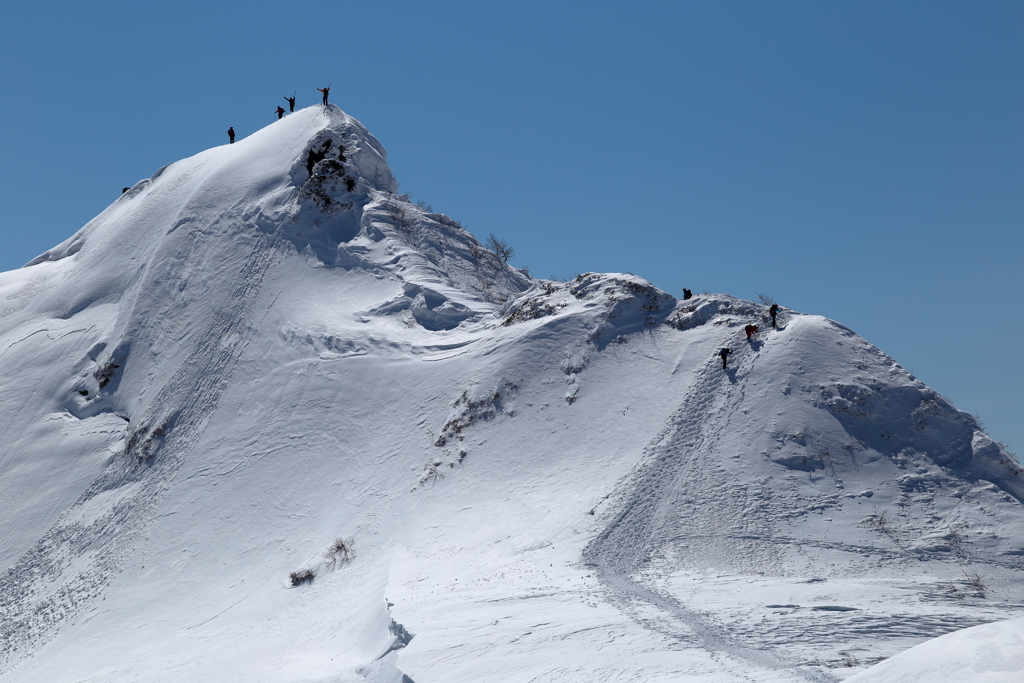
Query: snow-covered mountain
(265, 420)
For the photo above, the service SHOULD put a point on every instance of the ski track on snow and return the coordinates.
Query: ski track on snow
(74, 562)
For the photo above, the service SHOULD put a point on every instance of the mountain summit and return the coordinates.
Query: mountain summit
(265, 419)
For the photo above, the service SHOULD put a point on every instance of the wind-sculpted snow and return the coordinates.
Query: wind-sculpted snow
(992, 653)
(46, 588)
(264, 351)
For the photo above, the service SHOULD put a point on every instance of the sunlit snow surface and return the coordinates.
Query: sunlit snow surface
(239, 363)
(990, 653)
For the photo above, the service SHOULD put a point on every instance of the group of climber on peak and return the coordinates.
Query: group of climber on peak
(280, 110)
(291, 106)
(750, 330)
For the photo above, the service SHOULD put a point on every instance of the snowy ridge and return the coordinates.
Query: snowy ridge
(263, 352)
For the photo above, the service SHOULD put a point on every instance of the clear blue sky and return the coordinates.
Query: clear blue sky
(860, 160)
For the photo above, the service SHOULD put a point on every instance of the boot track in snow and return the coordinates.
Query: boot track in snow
(677, 469)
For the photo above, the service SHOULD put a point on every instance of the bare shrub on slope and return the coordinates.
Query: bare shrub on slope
(302, 576)
(339, 552)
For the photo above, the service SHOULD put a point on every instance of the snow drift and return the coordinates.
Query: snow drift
(991, 653)
(264, 419)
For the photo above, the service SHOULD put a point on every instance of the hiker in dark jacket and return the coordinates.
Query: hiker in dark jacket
(279, 112)
(724, 353)
(773, 311)
(687, 294)
(750, 330)
(291, 103)
(325, 91)
(231, 135)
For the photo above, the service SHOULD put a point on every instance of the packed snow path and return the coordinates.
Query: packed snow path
(663, 490)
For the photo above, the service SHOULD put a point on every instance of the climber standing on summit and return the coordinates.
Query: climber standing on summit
(724, 353)
(325, 91)
(231, 135)
(291, 103)
(773, 311)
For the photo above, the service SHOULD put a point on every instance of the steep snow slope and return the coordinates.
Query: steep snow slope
(991, 653)
(262, 349)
